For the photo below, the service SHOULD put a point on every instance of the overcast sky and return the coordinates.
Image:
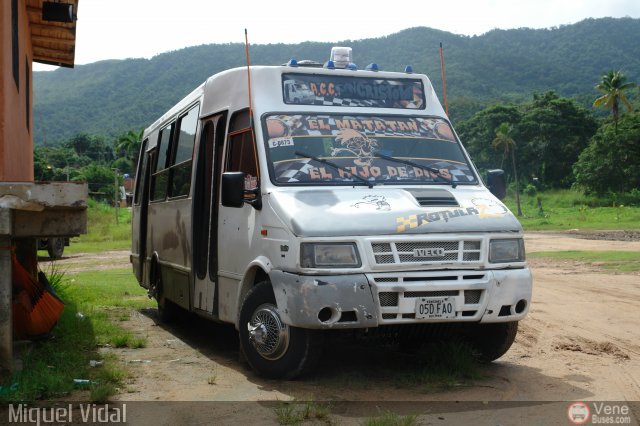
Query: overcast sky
(119, 29)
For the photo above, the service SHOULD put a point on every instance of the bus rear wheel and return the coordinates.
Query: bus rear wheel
(272, 348)
(167, 310)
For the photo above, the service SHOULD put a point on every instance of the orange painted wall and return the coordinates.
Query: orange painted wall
(16, 141)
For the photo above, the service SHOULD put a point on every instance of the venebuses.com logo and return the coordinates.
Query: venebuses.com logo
(581, 413)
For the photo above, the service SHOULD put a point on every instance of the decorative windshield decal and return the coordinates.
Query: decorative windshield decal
(335, 148)
(357, 144)
(322, 125)
(489, 208)
(333, 90)
(370, 201)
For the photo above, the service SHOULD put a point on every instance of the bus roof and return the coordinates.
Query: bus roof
(228, 91)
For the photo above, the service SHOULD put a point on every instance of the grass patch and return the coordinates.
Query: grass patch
(108, 380)
(444, 365)
(618, 261)
(438, 366)
(296, 413)
(570, 209)
(93, 303)
(102, 231)
(391, 419)
(105, 297)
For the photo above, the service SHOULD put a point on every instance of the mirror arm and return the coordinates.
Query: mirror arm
(256, 202)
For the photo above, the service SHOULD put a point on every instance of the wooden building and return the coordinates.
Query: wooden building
(30, 31)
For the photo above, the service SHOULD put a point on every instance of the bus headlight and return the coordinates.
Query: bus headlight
(505, 251)
(329, 255)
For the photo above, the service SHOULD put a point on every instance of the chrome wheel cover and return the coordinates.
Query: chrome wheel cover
(267, 333)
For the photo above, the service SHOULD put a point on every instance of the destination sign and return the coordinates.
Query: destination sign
(333, 90)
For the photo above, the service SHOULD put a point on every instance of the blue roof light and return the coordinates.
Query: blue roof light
(330, 65)
(408, 69)
(372, 67)
(292, 62)
(352, 66)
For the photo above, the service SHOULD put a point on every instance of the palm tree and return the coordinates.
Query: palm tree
(613, 86)
(504, 141)
(128, 144)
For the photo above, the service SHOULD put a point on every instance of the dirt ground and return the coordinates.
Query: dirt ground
(580, 342)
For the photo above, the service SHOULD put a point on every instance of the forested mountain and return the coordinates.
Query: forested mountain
(111, 97)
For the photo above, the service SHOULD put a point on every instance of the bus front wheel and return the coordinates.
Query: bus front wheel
(55, 247)
(491, 341)
(272, 348)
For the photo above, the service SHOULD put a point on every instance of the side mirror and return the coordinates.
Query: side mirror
(233, 189)
(234, 194)
(496, 183)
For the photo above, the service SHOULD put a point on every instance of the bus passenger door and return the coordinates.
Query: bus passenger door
(140, 209)
(205, 214)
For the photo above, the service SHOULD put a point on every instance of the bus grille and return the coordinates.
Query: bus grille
(426, 252)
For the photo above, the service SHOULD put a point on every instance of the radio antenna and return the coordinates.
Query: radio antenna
(444, 81)
(251, 129)
(246, 48)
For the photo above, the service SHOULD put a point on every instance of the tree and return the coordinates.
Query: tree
(478, 132)
(57, 163)
(505, 142)
(613, 86)
(128, 146)
(611, 162)
(552, 132)
(94, 147)
(100, 179)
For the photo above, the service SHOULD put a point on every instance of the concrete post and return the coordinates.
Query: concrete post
(6, 323)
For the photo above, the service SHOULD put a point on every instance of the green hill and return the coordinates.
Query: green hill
(110, 97)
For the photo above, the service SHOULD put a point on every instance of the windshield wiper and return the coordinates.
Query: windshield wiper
(335, 166)
(420, 166)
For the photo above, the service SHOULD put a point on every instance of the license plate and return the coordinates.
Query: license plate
(435, 308)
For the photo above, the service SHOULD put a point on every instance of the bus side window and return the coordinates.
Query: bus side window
(160, 178)
(180, 162)
(241, 150)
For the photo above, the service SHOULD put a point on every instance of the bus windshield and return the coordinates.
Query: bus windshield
(331, 149)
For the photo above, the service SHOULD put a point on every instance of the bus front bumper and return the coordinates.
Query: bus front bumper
(372, 300)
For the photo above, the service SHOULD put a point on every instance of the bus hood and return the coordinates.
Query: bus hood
(385, 211)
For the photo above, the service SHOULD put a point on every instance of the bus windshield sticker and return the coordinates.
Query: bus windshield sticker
(333, 90)
(250, 182)
(281, 141)
(329, 148)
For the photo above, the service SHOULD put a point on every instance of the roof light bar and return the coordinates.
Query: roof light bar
(330, 65)
(341, 56)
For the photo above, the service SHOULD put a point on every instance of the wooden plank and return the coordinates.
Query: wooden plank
(64, 52)
(49, 223)
(37, 39)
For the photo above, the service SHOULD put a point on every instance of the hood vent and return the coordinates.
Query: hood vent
(434, 198)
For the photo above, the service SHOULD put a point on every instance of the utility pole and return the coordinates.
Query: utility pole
(116, 193)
